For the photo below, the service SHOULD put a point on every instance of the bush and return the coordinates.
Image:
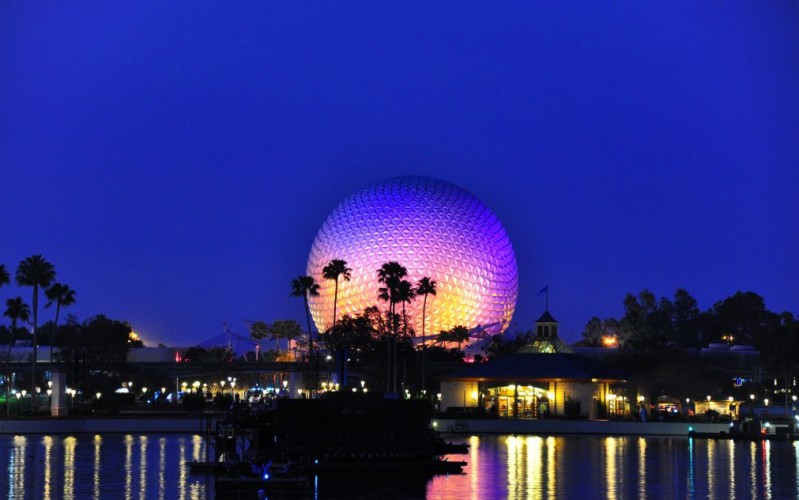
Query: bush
(193, 402)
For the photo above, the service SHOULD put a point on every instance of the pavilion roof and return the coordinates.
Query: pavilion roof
(538, 366)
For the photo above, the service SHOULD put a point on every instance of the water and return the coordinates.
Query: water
(500, 467)
(100, 467)
(531, 467)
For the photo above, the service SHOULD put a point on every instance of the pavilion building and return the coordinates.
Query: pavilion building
(542, 379)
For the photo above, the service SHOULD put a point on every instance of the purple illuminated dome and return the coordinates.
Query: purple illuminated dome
(434, 229)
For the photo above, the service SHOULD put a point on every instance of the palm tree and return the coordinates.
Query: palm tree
(3, 275)
(332, 271)
(406, 293)
(390, 275)
(306, 286)
(425, 287)
(62, 296)
(17, 311)
(36, 272)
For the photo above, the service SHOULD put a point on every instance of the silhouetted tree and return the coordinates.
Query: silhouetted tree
(35, 272)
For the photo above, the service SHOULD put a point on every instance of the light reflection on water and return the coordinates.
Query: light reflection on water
(99, 467)
(511, 467)
(521, 467)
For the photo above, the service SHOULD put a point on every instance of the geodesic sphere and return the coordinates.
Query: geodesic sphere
(434, 229)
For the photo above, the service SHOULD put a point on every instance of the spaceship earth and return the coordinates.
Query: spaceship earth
(432, 228)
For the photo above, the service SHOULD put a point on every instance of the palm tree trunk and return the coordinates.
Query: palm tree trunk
(310, 335)
(35, 342)
(335, 302)
(424, 341)
(8, 367)
(394, 351)
(52, 335)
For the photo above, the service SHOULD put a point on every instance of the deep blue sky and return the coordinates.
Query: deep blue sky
(174, 161)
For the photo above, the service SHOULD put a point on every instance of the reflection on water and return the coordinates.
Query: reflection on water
(110, 466)
(511, 467)
(521, 467)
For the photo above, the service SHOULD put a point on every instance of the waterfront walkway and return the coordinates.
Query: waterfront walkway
(551, 427)
(128, 424)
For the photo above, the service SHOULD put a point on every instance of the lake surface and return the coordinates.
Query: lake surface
(502, 467)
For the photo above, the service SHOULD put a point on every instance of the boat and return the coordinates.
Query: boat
(339, 439)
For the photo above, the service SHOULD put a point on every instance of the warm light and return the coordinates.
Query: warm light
(222, 383)
(363, 383)
(49, 392)
(438, 396)
(143, 390)
(24, 392)
(98, 395)
(550, 395)
(730, 399)
(474, 395)
(609, 341)
(765, 401)
(687, 400)
(640, 399)
(708, 398)
(49, 383)
(512, 387)
(794, 398)
(752, 397)
(354, 389)
(163, 390)
(285, 384)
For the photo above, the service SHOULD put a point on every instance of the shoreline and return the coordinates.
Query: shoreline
(125, 424)
(200, 424)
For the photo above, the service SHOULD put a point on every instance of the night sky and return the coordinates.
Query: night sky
(175, 160)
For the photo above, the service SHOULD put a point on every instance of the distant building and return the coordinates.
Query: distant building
(543, 378)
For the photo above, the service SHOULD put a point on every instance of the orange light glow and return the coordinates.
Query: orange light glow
(609, 341)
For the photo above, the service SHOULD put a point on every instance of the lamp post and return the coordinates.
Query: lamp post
(752, 400)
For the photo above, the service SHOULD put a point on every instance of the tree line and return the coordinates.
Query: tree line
(657, 336)
(97, 342)
(651, 325)
(368, 335)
